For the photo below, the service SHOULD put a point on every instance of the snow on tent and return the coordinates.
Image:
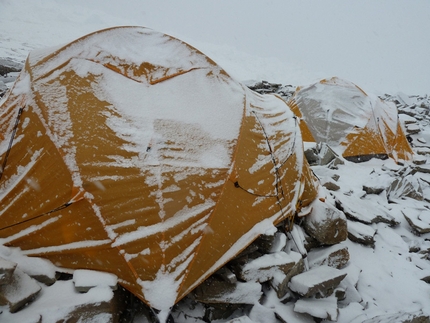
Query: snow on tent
(355, 125)
(131, 152)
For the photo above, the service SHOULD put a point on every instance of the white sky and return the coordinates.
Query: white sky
(382, 46)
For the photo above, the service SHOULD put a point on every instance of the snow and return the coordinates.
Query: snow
(281, 41)
(304, 282)
(91, 278)
(381, 46)
(325, 308)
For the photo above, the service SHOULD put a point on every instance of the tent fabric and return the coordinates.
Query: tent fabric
(131, 152)
(354, 124)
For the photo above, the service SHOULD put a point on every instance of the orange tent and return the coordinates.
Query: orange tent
(354, 124)
(131, 152)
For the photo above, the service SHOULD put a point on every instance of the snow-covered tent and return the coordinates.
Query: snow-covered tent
(131, 152)
(356, 125)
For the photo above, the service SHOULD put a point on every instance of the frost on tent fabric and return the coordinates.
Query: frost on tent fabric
(131, 152)
(354, 124)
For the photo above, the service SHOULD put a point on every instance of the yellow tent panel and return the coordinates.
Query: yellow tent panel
(131, 152)
(356, 125)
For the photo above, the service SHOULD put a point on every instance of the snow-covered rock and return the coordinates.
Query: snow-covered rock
(323, 308)
(336, 256)
(84, 280)
(6, 271)
(20, 290)
(325, 223)
(320, 281)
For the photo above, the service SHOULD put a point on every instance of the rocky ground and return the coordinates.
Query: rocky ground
(371, 219)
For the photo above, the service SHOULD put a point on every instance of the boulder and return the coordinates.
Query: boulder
(359, 210)
(214, 291)
(85, 279)
(423, 168)
(412, 128)
(225, 274)
(222, 311)
(286, 314)
(264, 268)
(318, 281)
(361, 233)
(331, 186)
(326, 154)
(418, 219)
(21, 290)
(415, 317)
(336, 256)
(278, 243)
(260, 313)
(109, 310)
(280, 280)
(325, 223)
(419, 160)
(6, 271)
(374, 189)
(240, 319)
(325, 308)
(311, 153)
(407, 186)
(349, 285)
(38, 268)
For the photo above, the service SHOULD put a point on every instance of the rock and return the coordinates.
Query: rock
(311, 153)
(419, 160)
(413, 129)
(222, 311)
(84, 280)
(325, 308)
(94, 310)
(423, 151)
(8, 66)
(325, 223)
(361, 233)
(214, 291)
(358, 210)
(423, 168)
(286, 314)
(331, 186)
(349, 285)
(6, 271)
(407, 186)
(340, 293)
(426, 278)
(260, 313)
(326, 154)
(280, 280)
(318, 281)
(421, 140)
(374, 189)
(264, 243)
(265, 267)
(226, 275)
(415, 317)
(279, 242)
(336, 256)
(22, 289)
(418, 219)
(38, 268)
(241, 319)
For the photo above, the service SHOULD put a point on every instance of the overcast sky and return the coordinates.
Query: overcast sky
(380, 45)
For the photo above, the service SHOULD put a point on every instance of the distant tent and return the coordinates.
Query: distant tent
(356, 125)
(130, 151)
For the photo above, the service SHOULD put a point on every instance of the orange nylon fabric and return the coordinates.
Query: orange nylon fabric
(354, 124)
(137, 155)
